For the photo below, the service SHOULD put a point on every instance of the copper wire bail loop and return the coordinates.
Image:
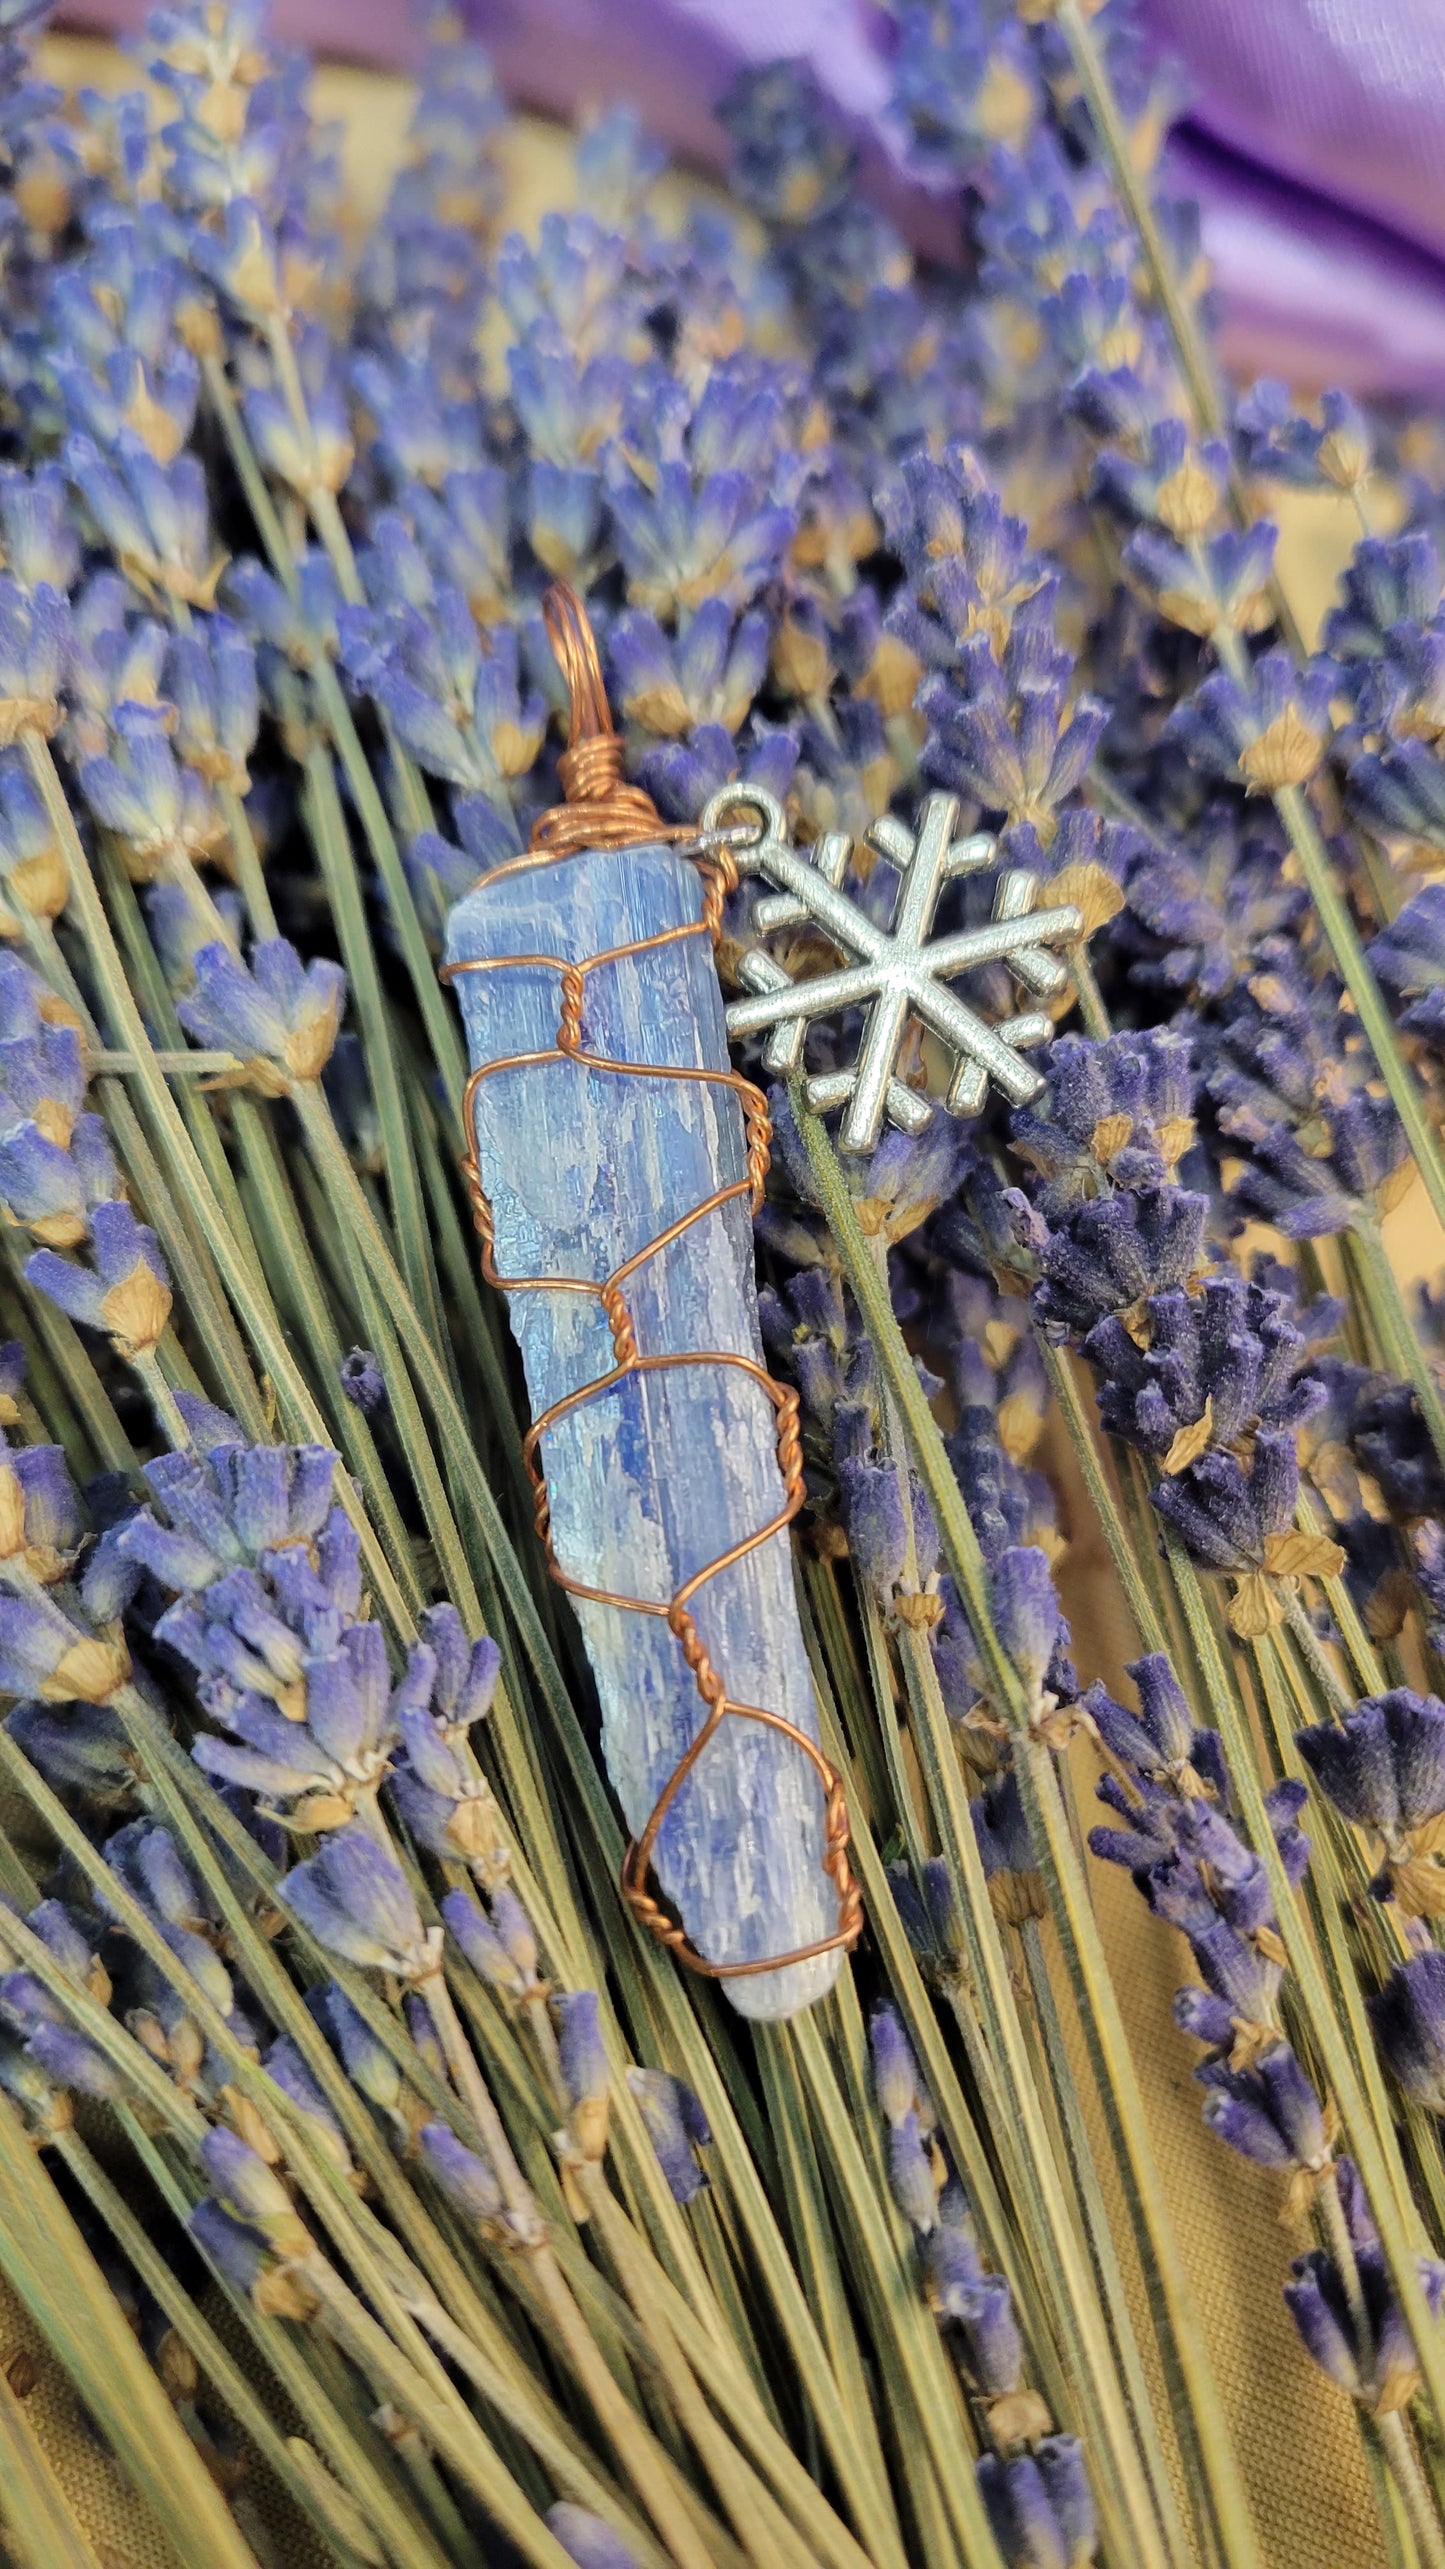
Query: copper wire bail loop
(603, 810)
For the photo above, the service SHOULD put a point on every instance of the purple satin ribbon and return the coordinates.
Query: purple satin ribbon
(1314, 137)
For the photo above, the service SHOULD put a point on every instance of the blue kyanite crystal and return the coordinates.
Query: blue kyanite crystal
(664, 1472)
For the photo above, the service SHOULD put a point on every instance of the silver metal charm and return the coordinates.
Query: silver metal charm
(896, 972)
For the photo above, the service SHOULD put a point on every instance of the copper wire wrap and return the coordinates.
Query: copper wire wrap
(602, 810)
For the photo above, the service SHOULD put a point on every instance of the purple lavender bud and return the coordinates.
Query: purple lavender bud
(1384, 1765)
(173, 1555)
(1009, 1862)
(52, 1517)
(910, 2172)
(1283, 1804)
(1117, 1251)
(361, 1379)
(1395, 2376)
(355, 1900)
(445, 1635)
(1409, 2021)
(128, 1290)
(895, 2074)
(1271, 731)
(43, 1653)
(41, 549)
(1354, 2203)
(1205, 2018)
(1148, 1839)
(365, 2058)
(1162, 1709)
(1269, 2112)
(995, 2349)
(81, 1748)
(586, 2539)
(431, 1760)
(482, 1945)
(1238, 1883)
(245, 2187)
(676, 2126)
(951, 2268)
(33, 640)
(41, 1184)
(310, 1487)
(23, 2078)
(1060, 2462)
(413, 1693)
(335, 1712)
(1123, 1733)
(516, 1931)
(877, 1523)
(956, 1655)
(474, 1698)
(1039, 2507)
(584, 2054)
(232, 2247)
(464, 2178)
(52, 1922)
(283, 2063)
(1026, 1611)
(279, 1010)
(428, 1815)
(1245, 1979)
(1316, 2303)
(65, 2055)
(1409, 957)
(421, 2026)
(211, 681)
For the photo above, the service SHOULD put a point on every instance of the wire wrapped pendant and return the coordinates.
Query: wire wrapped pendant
(615, 1160)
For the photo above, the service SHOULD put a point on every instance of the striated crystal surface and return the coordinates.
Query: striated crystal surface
(662, 1473)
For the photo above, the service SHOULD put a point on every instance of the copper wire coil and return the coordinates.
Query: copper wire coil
(629, 1362)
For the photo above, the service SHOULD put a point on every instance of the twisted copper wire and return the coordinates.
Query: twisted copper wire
(602, 809)
(607, 812)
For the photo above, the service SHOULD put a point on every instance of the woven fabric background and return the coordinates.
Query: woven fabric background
(1296, 2440)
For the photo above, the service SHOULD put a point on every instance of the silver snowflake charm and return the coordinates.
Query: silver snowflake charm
(896, 972)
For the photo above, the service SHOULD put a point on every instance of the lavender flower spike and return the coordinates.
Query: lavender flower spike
(676, 2126)
(586, 2539)
(1409, 2021)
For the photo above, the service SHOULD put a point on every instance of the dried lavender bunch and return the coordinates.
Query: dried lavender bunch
(322, 1905)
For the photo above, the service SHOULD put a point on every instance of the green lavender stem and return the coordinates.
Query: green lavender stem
(362, 2463)
(1290, 801)
(1064, 1384)
(1375, 2152)
(1406, 1345)
(1090, 2349)
(1194, 357)
(331, 840)
(1112, 2290)
(47, 2263)
(436, 1013)
(1405, 2470)
(1217, 2481)
(224, 2373)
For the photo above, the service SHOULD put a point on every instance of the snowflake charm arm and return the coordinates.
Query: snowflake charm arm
(898, 972)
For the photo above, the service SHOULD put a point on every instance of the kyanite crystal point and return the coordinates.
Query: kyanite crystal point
(665, 1471)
